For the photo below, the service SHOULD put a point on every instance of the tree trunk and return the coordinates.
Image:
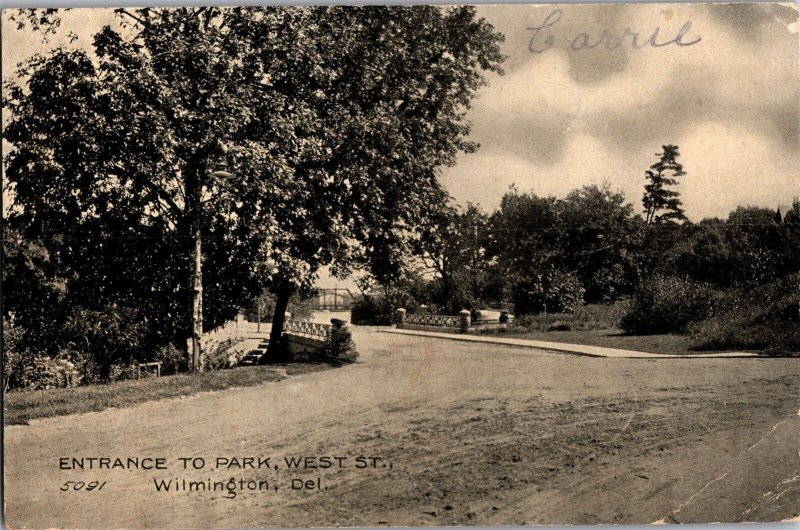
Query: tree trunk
(196, 360)
(278, 318)
(447, 295)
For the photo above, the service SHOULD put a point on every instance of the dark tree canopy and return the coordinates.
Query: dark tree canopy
(334, 120)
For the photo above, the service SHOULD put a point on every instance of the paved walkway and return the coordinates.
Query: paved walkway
(577, 349)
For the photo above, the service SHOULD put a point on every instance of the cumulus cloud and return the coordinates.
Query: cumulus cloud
(564, 118)
(561, 115)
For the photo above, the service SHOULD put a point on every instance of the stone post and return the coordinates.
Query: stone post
(400, 317)
(466, 320)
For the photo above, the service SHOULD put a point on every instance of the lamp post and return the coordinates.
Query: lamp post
(219, 174)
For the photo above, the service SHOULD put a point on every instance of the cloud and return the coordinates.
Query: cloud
(564, 116)
(733, 166)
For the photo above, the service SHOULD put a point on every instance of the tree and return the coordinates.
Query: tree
(334, 120)
(662, 205)
(590, 240)
(600, 240)
(524, 232)
(524, 237)
(452, 247)
(702, 253)
(114, 159)
(761, 249)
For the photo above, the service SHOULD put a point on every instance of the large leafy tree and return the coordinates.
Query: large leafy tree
(590, 240)
(452, 247)
(333, 120)
(600, 239)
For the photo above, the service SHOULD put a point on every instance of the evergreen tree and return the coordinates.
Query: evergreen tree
(660, 203)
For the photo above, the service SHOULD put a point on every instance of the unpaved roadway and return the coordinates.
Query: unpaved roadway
(469, 434)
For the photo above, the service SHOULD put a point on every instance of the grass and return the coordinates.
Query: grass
(592, 316)
(665, 343)
(23, 406)
(598, 325)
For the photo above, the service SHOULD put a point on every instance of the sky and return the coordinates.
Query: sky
(561, 118)
(565, 118)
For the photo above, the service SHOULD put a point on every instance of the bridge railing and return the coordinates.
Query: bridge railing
(434, 320)
(307, 329)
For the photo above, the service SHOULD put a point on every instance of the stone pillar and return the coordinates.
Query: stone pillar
(466, 320)
(400, 318)
(503, 317)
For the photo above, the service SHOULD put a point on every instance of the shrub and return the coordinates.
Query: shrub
(587, 317)
(339, 343)
(370, 311)
(44, 373)
(100, 340)
(553, 292)
(219, 357)
(172, 359)
(122, 372)
(14, 360)
(761, 319)
(665, 304)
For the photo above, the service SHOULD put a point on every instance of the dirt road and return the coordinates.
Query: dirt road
(464, 433)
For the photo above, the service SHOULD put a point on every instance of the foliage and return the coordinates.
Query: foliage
(43, 373)
(14, 358)
(452, 246)
(662, 205)
(592, 234)
(761, 249)
(172, 359)
(750, 248)
(372, 311)
(702, 252)
(764, 319)
(334, 120)
(601, 241)
(33, 295)
(667, 304)
(105, 344)
(339, 343)
(553, 291)
(587, 317)
(220, 357)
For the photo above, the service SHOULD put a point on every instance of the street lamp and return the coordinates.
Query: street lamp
(221, 175)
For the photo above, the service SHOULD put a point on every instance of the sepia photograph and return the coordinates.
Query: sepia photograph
(400, 265)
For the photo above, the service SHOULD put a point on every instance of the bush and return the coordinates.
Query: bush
(340, 343)
(588, 317)
(370, 311)
(100, 340)
(554, 292)
(666, 304)
(219, 357)
(14, 360)
(44, 373)
(172, 359)
(122, 372)
(764, 319)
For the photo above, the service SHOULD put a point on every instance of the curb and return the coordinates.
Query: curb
(573, 349)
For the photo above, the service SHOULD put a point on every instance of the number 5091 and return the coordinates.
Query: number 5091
(85, 486)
